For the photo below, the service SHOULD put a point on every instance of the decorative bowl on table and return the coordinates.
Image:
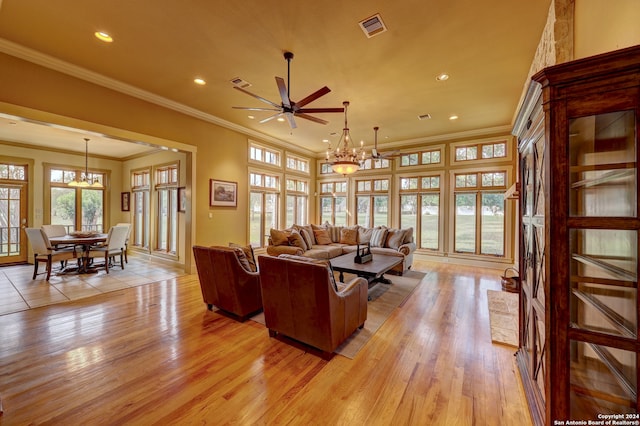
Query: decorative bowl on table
(83, 234)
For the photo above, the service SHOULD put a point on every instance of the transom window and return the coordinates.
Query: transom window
(378, 163)
(486, 150)
(264, 155)
(298, 164)
(432, 156)
(13, 172)
(487, 179)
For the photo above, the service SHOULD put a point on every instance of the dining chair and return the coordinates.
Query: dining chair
(113, 246)
(56, 231)
(126, 243)
(43, 252)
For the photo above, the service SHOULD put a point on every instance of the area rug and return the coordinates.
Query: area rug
(384, 300)
(503, 317)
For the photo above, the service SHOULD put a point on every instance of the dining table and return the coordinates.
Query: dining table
(83, 242)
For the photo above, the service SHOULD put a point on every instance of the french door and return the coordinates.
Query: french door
(13, 220)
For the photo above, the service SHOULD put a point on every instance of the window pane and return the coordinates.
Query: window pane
(408, 216)
(63, 207)
(341, 211)
(92, 210)
(500, 150)
(271, 211)
(173, 230)
(140, 219)
(326, 206)
(301, 209)
(290, 212)
(487, 151)
(429, 221)
(255, 219)
(364, 205)
(435, 157)
(163, 220)
(380, 210)
(492, 224)
(465, 225)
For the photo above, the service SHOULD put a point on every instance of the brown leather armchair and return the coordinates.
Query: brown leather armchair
(225, 283)
(300, 302)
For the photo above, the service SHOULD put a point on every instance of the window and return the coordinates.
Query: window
(167, 209)
(486, 150)
(76, 208)
(479, 213)
(333, 203)
(264, 155)
(264, 201)
(298, 164)
(325, 169)
(297, 202)
(372, 198)
(379, 163)
(140, 186)
(429, 157)
(420, 209)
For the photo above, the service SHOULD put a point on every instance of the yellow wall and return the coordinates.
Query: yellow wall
(604, 25)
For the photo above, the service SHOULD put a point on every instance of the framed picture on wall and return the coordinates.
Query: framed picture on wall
(182, 200)
(124, 201)
(223, 193)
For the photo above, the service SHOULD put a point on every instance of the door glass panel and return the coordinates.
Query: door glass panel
(92, 210)
(465, 232)
(492, 224)
(63, 207)
(430, 220)
(380, 210)
(364, 203)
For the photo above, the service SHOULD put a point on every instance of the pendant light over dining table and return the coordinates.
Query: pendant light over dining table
(84, 182)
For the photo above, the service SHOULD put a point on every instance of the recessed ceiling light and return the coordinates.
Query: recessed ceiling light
(199, 81)
(102, 36)
(251, 117)
(280, 119)
(453, 117)
(325, 140)
(442, 77)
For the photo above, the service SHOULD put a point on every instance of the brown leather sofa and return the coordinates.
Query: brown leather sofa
(225, 283)
(301, 302)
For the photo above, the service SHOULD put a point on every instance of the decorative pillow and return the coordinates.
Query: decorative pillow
(395, 237)
(249, 256)
(296, 240)
(364, 235)
(322, 236)
(279, 238)
(334, 232)
(349, 236)
(332, 278)
(243, 259)
(308, 239)
(408, 236)
(309, 230)
(378, 237)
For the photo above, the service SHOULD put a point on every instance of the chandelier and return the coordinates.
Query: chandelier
(85, 182)
(345, 159)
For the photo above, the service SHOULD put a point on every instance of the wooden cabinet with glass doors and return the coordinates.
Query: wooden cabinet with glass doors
(579, 230)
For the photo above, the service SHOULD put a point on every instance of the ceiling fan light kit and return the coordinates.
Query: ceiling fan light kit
(289, 109)
(345, 158)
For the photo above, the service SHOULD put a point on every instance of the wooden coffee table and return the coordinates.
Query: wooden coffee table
(373, 271)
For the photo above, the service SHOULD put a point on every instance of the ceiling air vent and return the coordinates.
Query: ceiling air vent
(240, 82)
(373, 25)
(424, 117)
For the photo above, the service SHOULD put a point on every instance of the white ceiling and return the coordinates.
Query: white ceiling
(486, 47)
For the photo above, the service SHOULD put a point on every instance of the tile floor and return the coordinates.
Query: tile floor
(19, 292)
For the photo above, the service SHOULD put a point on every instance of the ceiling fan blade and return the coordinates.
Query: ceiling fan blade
(292, 122)
(267, 101)
(258, 109)
(282, 88)
(311, 118)
(271, 117)
(312, 97)
(319, 110)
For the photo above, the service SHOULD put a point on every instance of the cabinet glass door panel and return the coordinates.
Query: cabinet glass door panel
(602, 379)
(604, 281)
(602, 153)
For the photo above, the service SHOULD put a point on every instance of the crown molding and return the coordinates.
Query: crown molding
(47, 61)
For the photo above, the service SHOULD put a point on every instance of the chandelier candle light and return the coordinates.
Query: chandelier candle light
(345, 159)
(84, 182)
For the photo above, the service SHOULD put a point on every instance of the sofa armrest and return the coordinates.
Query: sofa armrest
(278, 250)
(407, 248)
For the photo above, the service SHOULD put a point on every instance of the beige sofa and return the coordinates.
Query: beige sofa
(327, 241)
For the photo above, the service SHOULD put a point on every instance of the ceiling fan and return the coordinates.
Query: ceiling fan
(375, 154)
(289, 108)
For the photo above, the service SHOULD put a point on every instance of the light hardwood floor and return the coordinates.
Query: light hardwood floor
(153, 354)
